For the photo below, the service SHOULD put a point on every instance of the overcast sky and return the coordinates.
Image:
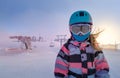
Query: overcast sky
(51, 17)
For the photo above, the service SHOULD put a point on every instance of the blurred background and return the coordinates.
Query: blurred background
(50, 18)
(46, 23)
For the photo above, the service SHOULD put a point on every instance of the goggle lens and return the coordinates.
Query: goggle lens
(83, 28)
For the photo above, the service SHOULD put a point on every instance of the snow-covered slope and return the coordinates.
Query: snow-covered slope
(113, 58)
(39, 63)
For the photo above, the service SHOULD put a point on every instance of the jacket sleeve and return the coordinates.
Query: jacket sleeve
(61, 64)
(102, 67)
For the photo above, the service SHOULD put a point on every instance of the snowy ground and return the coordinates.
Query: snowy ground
(113, 58)
(39, 63)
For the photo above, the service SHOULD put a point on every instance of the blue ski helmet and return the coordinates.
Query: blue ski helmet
(80, 17)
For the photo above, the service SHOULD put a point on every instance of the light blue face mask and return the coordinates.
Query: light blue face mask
(81, 38)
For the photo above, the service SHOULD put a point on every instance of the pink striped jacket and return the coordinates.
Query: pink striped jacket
(80, 60)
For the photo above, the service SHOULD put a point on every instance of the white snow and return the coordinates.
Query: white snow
(113, 58)
(39, 63)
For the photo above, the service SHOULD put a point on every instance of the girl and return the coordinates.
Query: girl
(80, 56)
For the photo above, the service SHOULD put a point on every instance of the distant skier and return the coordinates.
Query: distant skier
(26, 41)
(81, 57)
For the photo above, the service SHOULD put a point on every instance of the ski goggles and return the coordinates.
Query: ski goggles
(80, 28)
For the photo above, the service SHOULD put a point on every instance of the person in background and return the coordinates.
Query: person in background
(81, 56)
